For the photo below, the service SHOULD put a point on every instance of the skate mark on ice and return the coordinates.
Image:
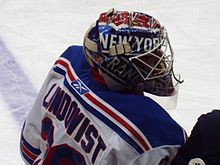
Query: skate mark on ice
(16, 90)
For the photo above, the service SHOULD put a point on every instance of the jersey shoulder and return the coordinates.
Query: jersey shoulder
(130, 116)
(148, 116)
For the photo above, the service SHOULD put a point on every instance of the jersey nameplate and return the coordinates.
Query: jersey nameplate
(64, 108)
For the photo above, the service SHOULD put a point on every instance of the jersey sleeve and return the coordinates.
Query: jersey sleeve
(32, 145)
(30, 140)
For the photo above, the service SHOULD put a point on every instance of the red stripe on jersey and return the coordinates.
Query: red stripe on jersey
(63, 63)
(27, 152)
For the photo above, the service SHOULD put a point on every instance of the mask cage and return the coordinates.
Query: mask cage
(155, 63)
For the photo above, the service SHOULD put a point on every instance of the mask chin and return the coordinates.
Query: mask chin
(163, 90)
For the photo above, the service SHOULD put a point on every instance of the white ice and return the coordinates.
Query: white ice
(36, 32)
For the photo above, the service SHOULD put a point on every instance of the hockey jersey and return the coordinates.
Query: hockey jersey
(75, 120)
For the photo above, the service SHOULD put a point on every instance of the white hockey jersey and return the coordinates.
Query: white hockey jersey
(77, 121)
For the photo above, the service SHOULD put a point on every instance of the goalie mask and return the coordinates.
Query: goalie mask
(131, 52)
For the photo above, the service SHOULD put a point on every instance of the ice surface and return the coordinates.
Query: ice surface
(33, 33)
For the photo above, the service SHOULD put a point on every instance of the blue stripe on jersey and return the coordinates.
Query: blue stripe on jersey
(99, 115)
(30, 161)
(29, 147)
